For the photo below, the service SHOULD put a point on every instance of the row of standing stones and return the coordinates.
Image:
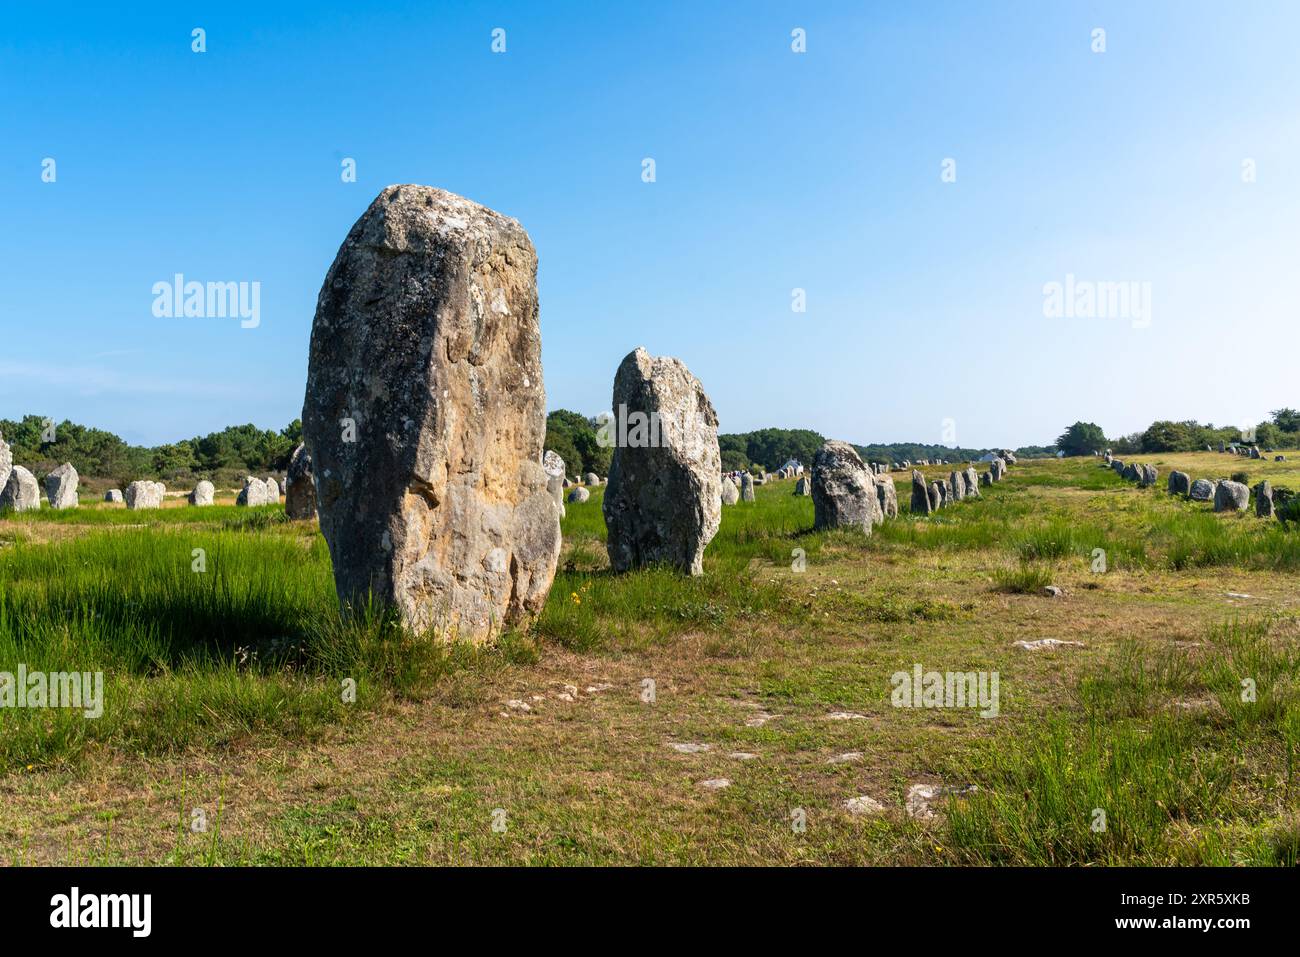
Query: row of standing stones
(20, 491)
(437, 498)
(1227, 495)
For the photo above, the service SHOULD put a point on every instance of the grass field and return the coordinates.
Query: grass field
(225, 679)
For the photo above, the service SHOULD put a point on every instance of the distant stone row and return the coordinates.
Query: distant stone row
(20, 492)
(1227, 496)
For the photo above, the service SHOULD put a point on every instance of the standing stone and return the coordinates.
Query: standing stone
(300, 486)
(662, 501)
(957, 482)
(843, 489)
(986, 478)
(113, 495)
(553, 466)
(61, 487)
(997, 468)
(592, 479)
(936, 497)
(202, 494)
(1264, 499)
(254, 492)
(747, 487)
(272, 491)
(1149, 475)
(730, 494)
(803, 486)
(6, 463)
(972, 482)
(1180, 483)
(1231, 496)
(1202, 490)
(426, 343)
(21, 493)
(144, 494)
(888, 496)
(920, 495)
(1118, 466)
(578, 494)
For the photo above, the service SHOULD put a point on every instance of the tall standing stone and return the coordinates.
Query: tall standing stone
(972, 482)
(1264, 499)
(729, 493)
(936, 497)
(803, 486)
(272, 491)
(663, 494)
(1180, 483)
(957, 482)
(888, 496)
(300, 486)
(746, 487)
(425, 415)
(920, 495)
(843, 489)
(61, 487)
(6, 463)
(553, 466)
(21, 493)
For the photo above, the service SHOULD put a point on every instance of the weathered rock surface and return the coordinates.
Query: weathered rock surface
(61, 487)
(972, 480)
(144, 494)
(21, 492)
(803, 486)
(957, 483)
(887, 495)
(300, 486)
(1202, 490)
(746, 487)
(1180, 483)
(1231, 497)
(986, 478)
(425, 416)
(592, 479)
(1149, 476)
(553, 466)
(843, 489)
(936, 497)
(6, 463)
(253, 493)
(920, 494)
(578, 494)
(272, 491)
(113, 495)
(662, 501)
(1264, 499)
(202, 493)
(730, 494)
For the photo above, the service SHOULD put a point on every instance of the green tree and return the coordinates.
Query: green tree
(1082, 438)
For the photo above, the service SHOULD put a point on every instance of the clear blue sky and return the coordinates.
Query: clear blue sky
(775, 170)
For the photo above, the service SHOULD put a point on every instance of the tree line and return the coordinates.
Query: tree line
(1281, 431)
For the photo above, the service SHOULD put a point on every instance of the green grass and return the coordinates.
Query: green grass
(1162, 776)
(252, 654)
